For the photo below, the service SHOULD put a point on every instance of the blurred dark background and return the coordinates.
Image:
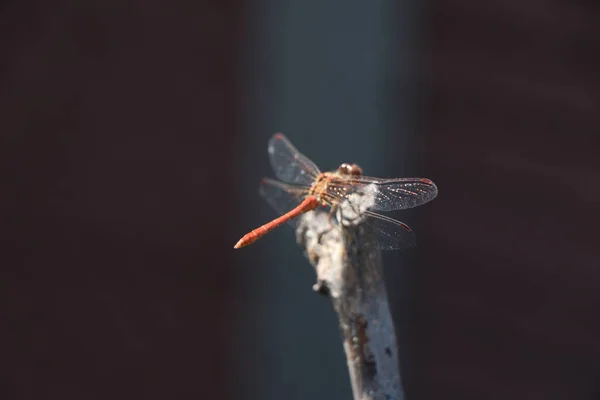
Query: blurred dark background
(133, 139)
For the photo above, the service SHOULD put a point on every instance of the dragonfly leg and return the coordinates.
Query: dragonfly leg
(329, 219)
(331, 213)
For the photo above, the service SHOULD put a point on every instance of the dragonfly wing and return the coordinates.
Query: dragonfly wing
(394, 194)
(282, 197)
(388, 233)
(289, 164)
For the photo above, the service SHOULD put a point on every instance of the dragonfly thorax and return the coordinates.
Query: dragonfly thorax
(319, 187)
(330, 187)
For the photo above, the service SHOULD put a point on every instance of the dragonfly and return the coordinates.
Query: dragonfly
(302, 187)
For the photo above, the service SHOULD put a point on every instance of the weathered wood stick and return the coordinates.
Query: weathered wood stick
(348, 267)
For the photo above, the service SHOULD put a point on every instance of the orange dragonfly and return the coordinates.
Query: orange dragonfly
(345, 190)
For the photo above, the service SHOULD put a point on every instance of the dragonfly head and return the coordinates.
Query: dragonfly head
(349, 169)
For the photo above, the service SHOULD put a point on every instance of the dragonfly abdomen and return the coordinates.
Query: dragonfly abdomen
(309, 203)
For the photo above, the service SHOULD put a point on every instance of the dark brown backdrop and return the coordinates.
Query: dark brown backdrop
(113, 115)
(507, 298)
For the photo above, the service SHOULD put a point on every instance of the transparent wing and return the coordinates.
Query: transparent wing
(388, 233)
(289, 164)
(389, 194)
(282, 197)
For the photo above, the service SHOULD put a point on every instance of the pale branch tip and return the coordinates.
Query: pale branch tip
(348, 267)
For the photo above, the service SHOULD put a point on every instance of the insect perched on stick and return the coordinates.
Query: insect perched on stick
(349, 194)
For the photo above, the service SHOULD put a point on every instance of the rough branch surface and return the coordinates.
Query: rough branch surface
(348, 267)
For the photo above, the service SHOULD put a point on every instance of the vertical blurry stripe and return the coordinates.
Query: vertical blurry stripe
(332, 77)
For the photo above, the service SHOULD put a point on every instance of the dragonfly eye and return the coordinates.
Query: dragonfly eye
(345, 169)
(355, 170)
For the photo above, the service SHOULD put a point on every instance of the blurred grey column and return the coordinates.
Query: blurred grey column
(329, 75)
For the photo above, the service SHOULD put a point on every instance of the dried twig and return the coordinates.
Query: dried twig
(348, 267)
